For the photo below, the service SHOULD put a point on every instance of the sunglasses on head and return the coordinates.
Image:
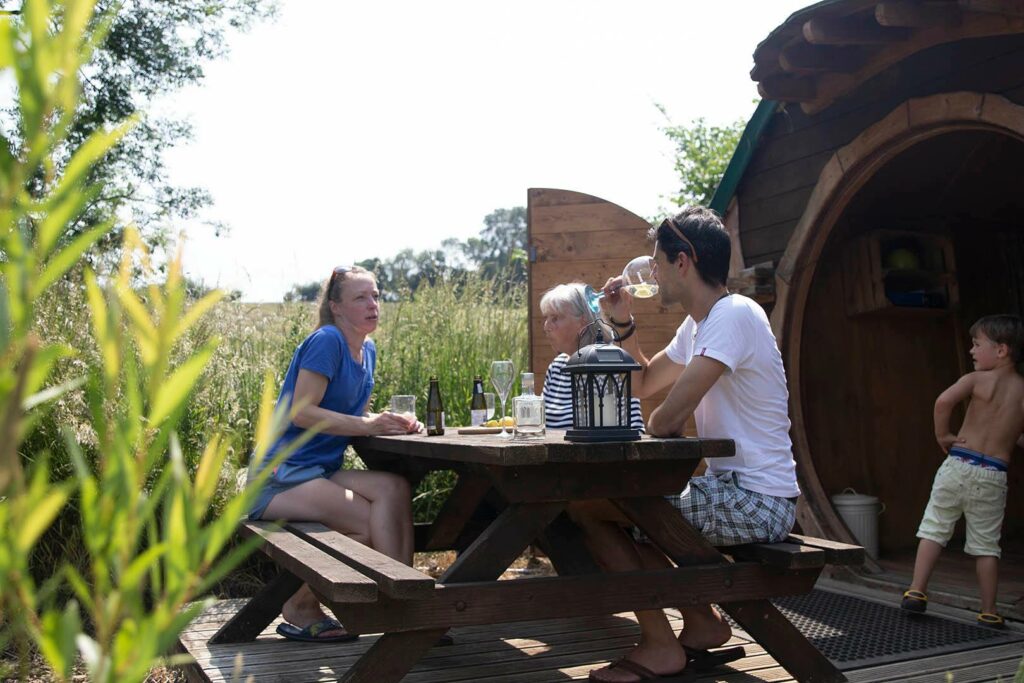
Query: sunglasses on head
(678, 231)
(339, 270)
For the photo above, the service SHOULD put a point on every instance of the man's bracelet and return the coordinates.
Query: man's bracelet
(629, 333)
(615, 322)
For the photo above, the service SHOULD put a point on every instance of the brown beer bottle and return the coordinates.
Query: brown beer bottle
(435, 409)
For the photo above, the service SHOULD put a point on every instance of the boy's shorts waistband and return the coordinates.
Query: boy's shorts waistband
(976, 458)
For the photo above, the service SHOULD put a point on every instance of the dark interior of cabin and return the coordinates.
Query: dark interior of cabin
(933, 241)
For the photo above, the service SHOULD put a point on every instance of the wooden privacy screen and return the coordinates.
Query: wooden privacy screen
(575, 237)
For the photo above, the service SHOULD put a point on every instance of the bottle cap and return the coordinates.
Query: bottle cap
(527, 376)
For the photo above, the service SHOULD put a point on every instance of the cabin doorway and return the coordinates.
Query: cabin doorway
(931, 242)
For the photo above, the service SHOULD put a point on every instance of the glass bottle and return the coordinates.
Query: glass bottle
(478, 404)
(435, 409)
(528, 409)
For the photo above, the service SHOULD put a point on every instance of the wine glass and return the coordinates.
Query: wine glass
(637, 279)
(502, 376)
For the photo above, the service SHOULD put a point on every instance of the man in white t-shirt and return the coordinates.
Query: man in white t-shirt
(725, 369)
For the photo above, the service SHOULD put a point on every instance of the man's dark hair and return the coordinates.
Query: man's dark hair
(699, 229)
(1003, 329)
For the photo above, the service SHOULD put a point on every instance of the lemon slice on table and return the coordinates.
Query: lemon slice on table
(507, 421)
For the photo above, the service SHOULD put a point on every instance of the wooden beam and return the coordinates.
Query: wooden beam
(851, 31)
(801, 58)
(787, 89)
(831, 86)
(1011, 8)
(916, 14)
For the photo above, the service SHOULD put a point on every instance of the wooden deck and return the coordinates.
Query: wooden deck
(554, 650)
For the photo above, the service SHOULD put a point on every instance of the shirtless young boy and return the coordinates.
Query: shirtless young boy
(972, 480)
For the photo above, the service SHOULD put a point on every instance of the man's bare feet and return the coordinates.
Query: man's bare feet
(658, 659)
(704, 628)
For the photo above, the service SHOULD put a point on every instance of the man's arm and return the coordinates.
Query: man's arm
(944, 405)
(670, 417)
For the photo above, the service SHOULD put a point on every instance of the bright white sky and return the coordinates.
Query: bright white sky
(345, 130)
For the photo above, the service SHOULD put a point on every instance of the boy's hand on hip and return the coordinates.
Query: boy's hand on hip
(947, 441)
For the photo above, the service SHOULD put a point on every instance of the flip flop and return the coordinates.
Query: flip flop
(706, 660)
(991, 620)
(644, 674)
(311, 633)
(914, 602)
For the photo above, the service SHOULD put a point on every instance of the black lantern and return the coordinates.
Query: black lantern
(601, 393)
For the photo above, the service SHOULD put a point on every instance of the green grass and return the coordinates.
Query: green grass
(452, 330)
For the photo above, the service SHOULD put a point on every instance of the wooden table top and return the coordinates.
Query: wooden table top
(491, 449)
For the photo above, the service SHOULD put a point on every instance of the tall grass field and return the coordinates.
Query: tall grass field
(450, 329)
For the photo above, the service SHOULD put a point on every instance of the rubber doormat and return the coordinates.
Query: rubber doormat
(854, 633)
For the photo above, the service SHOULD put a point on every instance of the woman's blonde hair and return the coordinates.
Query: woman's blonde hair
(332, 290)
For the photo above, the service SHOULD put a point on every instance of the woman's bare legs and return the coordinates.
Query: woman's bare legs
(374, 508)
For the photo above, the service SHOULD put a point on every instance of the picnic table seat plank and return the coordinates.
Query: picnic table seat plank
(783, 554)
(389, 575)
(327, 577)
(835, 552)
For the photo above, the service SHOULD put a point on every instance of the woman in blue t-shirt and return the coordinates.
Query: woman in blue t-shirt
(329, 383)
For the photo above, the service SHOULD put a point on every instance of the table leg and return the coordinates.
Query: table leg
(563, 543)
(787, 646)
(259, 612)
(457, 510)
(394, 654)
(502, 542)
(390, 658)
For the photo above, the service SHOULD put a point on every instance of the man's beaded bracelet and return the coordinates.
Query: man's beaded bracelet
(622, 325)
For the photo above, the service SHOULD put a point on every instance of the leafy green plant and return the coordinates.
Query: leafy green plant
(153, 543)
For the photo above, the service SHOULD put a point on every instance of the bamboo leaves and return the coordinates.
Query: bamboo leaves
(151, 539)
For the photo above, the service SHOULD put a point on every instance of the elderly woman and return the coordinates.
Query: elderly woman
(328, 384)
(567, 316)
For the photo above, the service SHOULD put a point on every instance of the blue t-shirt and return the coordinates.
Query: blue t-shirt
(349, 386)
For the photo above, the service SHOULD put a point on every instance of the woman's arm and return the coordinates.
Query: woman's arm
(309, 391)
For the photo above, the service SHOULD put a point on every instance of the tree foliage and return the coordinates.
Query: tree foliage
(702, 153)
(498, 252)
(307, 292)
(151, 48)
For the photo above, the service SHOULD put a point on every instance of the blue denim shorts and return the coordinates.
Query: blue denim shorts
(287, 476)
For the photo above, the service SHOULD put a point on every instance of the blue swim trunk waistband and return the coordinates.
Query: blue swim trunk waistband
(976, 458)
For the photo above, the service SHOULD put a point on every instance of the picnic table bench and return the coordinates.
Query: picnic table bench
(533, 483)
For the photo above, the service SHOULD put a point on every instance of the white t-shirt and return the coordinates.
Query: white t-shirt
(749, 403)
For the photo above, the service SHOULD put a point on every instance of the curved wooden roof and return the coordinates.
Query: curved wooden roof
(828, 49)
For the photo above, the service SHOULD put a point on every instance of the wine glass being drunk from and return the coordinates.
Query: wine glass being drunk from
(637, 279)
(502, 376)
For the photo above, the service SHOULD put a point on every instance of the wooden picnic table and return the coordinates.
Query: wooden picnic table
(528, 485)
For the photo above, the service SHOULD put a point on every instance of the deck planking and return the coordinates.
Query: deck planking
(534, 652)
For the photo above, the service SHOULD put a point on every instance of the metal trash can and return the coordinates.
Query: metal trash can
(860, 512)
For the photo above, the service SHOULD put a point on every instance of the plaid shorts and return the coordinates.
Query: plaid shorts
(726, 514)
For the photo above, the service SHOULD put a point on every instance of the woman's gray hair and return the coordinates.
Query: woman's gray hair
(571, 300)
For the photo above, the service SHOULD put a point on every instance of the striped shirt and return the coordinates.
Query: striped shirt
(558, 398)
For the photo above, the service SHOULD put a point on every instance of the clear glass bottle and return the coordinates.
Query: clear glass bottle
(478, 404)
(528, 410)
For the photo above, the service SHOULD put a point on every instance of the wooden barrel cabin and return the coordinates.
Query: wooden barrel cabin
(876, 204)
